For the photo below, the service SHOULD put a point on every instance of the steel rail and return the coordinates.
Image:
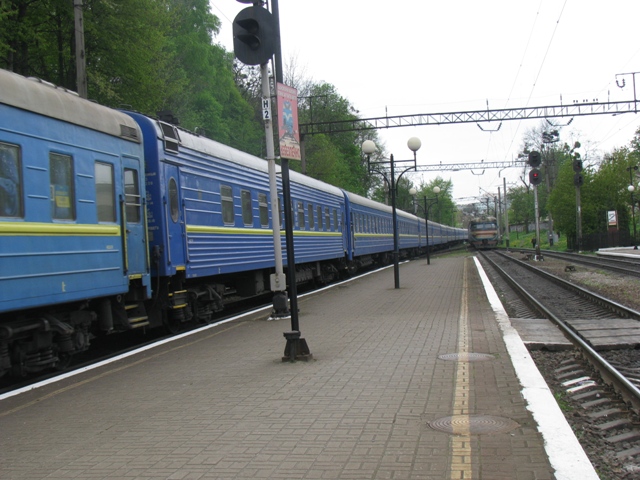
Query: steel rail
(609, 374)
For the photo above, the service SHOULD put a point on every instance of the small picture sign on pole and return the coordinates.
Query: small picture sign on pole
(288, 132)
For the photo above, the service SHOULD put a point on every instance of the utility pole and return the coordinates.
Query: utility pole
(81, 63)
(506, 212)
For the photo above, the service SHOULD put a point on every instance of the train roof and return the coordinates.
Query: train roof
(46, 99)
(219, 150)
(367, 202)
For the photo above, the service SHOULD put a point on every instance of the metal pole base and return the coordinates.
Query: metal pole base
(296, 348)
(280, 306)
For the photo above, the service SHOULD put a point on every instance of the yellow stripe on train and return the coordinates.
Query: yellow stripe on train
(57, 229)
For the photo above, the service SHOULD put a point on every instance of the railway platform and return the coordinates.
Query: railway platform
(628, 252)
(428, 381)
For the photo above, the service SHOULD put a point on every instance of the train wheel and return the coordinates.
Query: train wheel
(64, 360)
(171, 324)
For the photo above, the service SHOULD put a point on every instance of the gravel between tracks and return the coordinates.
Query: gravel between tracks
(616, 286)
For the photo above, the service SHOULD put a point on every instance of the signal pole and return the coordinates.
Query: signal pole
(535, 178)
(256, 38)
(506, 212)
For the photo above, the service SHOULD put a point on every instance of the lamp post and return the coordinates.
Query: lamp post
(368, 148)
(428, 203)
(631, 189)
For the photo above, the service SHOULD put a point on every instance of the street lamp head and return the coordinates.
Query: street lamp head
(414, 144)
(436, 190)
(368, 147)
(412, 191)
(631, 188)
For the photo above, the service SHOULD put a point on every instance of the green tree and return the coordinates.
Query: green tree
(603, 190)
(521, 206)
(128, 69)
(205, 96)
(443, 211)
(325, 161)
(324, 104)
(36, 38)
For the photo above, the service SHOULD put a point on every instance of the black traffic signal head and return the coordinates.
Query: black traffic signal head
(535, 177)
(254, 36)
(534, 159)
(578, 179)
(577, 166)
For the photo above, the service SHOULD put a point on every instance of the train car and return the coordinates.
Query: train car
(409, 230)
(210, 223)
(369, 232)
(483, 233)
(72, 223)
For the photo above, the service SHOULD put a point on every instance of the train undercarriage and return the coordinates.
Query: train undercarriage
(46, 338)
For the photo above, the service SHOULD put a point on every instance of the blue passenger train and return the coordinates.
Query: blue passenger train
(111, 220)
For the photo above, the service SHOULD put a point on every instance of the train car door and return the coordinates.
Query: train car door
(133, 213)
(174, 220)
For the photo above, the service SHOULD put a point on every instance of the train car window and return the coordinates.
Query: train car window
(105, 192)
(174, 204)
(226, 197)
(132, 195)
(61, 187)
(247, 212)
(312, 222)
(319, 218)
(335, 220)
(300, 215)
(327, 219)
(264, 209)
(10, 181)
(171, 137)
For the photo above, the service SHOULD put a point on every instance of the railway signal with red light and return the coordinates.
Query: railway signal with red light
(535, 177)
(577, 166)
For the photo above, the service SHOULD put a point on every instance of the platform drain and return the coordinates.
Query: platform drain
(466, 357)
(473, 424)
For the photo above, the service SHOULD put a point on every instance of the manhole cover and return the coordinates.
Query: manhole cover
(473, 424)
(466, 357)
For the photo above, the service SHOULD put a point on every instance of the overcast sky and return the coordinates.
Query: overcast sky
(426, 56)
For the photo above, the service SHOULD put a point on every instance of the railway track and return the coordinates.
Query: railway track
(625, 266)
(597, 381)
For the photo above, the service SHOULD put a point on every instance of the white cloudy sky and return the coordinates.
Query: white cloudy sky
(407, 57)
